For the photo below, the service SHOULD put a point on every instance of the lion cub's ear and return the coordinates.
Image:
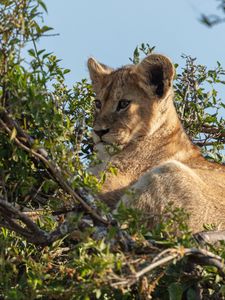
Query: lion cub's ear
(158, 71)
(97, 70)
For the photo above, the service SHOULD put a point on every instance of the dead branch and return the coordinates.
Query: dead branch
(199, 256)
(209, 237)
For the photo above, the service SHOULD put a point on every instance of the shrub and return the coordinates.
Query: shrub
(56, 240)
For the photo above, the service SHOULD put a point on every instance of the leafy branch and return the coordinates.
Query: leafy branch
(51, 166)
(29, 229)
(214, 19)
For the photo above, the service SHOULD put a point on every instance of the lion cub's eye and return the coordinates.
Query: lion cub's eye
(98, 104)
(123, 104)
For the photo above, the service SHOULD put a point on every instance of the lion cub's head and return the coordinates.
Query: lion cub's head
(131, 100)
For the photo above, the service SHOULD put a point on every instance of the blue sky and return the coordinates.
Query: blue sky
(110, 30)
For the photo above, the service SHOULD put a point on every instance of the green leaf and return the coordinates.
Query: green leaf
(43, 5)
(46, 28)
(191, 294)
(175, 291)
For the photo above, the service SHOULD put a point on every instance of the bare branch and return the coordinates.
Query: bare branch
(200, 256)
(209, 237)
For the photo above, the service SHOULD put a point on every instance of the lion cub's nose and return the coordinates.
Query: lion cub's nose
(101, 132)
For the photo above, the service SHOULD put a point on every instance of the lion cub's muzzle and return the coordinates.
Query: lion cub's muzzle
(101, 132)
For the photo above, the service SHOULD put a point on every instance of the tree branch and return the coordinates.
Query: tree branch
(200, 256)
(23, 225)
(220, 132)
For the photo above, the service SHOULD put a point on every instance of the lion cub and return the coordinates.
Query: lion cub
(134, 110)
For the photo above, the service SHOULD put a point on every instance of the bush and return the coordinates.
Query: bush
(56, 240)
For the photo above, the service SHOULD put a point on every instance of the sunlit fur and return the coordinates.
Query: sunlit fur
(157, 160)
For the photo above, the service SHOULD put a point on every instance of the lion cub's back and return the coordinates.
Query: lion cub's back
(200, 192)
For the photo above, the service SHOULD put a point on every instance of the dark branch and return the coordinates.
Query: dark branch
(19, 222)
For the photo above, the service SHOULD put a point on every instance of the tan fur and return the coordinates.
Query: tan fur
(157, 160)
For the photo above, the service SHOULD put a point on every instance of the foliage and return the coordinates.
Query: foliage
(214, 19)
(45, 147)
